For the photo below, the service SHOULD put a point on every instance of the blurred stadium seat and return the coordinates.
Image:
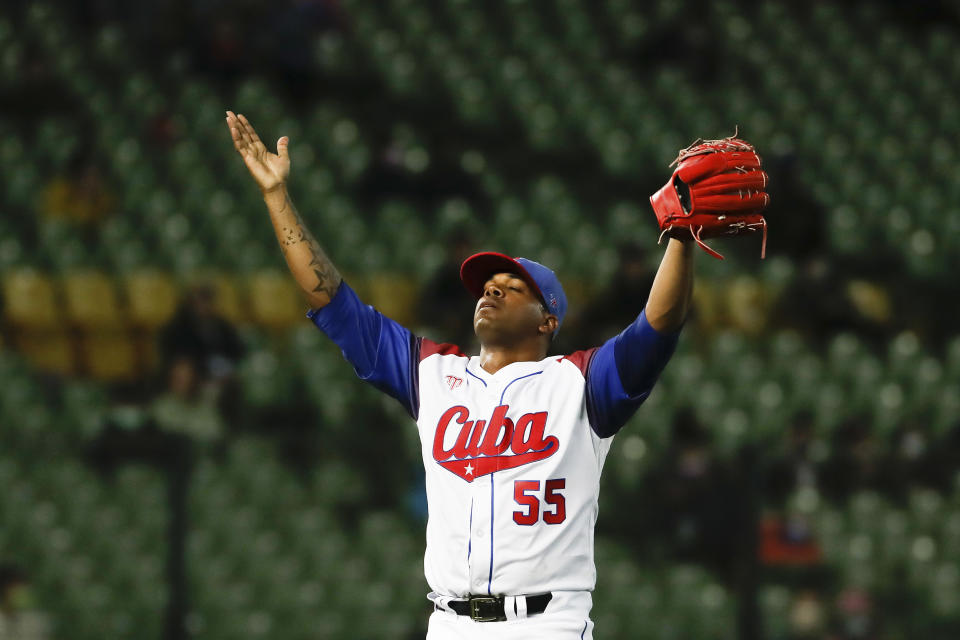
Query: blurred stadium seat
(30, 300)
(91, 302)
(35, 320)
(151, 298)
(275, 300)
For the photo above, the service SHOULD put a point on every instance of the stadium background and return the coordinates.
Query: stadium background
(792, 476)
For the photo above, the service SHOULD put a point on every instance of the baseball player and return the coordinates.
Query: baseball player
(513, 440)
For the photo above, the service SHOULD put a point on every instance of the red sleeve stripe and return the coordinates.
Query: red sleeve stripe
(581, 359)
(429, 348)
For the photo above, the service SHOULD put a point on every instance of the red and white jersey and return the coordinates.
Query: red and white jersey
(512, 459)
(512, 475)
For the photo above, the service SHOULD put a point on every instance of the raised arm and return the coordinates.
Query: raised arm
(307, 261)
(621, 373)
(672, 288)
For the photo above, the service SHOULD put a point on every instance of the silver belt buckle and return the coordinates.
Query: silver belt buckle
(484, 609)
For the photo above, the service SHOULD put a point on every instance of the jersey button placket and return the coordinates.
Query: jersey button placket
(480, 558)
(480, 561)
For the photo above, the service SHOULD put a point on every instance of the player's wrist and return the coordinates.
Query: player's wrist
(277, 186)
(275, 195)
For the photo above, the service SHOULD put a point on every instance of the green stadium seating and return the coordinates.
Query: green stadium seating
(269, 556)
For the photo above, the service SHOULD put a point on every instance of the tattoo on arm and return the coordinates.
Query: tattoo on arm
(328, 278)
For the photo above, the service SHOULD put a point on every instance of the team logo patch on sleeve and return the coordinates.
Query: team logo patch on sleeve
(485, 446)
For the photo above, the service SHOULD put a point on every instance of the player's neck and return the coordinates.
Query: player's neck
(496, 357)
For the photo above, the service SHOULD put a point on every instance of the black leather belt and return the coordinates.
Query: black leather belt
(490, 608)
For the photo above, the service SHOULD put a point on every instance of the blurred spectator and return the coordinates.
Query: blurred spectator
(825, 297)
(186, 406)
(444, 304)
(914, 460)
(854, 616)
(929, 308)
(748, 304)
(788, 542)
(164, 130)
(197, 331)
(19, 617)
(856, 461)
(942, 459)
(798, 230)
(35, 91)
(80, 195)
(684, 43)
(794, 467)
(225, 46)
(807, 615)
(618, 305)
(694, 499)
(296, 26)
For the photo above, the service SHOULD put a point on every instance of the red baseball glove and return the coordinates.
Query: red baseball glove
(717, 189)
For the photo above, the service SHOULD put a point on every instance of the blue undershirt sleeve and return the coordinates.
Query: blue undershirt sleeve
(382, 352)
(622, 372)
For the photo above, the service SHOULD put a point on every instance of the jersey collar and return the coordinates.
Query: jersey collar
(512, 370)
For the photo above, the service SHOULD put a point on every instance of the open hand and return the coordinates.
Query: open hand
(270, 170)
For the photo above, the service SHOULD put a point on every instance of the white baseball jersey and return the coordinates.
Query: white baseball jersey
(512, 458)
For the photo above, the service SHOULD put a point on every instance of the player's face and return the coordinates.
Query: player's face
(508, 311)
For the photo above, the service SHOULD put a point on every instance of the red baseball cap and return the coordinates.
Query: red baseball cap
(477, 269)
